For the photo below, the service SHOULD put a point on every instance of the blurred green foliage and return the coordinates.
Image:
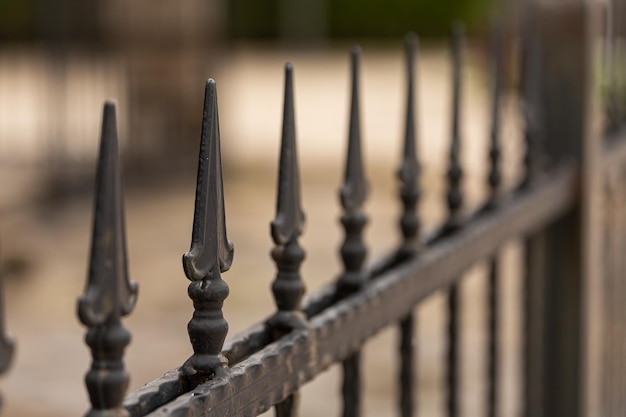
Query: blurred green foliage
(254, 19)
(262, 19)
(16, 18)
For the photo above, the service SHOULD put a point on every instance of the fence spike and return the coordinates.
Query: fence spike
(494, 177)
(409, 171)
(288, 287)
(354, 190)
(408, 174)
(494, 180)
(530, 101)
(109, 294)
(455, 170)
(211, 253)
(455, 203)
(352, 195)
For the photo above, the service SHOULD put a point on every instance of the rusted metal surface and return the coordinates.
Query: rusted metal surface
(270, 375)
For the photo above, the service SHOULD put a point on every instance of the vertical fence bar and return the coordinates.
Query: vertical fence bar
(453, 352)
(531, 110)
(408, 174)
(353, 194)
(7, 346)
(288, 287)
(560, 359)
(211, 253)
(453, 223)
(534, 245)
(494, 180)
(109, 294)
(493, 323)
(569, 96)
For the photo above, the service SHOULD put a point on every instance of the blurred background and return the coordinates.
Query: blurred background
(59, 60)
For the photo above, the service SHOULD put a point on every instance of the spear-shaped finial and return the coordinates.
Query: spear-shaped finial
(289, 221)
(455, 171)
(354, 190)
(353, 250)
(109, 294)
(531, 88)
(410, 169)
(211, 253)
(352, 194)
(495, 175)
(288, 287)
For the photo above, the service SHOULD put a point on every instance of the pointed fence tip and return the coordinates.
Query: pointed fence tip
(289, 221)
(353, 192)
(109, 291)
(210, 247)
(109, 122)
(355, 58)
(288, 92)
(210, 96)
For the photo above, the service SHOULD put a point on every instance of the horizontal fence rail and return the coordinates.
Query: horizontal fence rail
(266, 377)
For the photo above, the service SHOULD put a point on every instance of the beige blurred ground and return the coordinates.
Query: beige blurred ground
(45, 247)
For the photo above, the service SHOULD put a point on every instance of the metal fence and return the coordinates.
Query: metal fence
(568, 210)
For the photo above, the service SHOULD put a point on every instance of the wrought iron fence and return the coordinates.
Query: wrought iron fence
(573, 314)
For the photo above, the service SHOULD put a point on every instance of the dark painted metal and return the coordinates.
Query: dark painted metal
(408, 174)
(407, 371)
(211, 253)
(494, 180)
(452, 354)
(455, 170)
(286, 228)
(533, 305)
(353, 194)
(531, 110)
(7, 346)
(109, 294)
(351, 386)
(453, 224)
(409, 171)
(493, 351)
(267, 377)
(353, 250)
